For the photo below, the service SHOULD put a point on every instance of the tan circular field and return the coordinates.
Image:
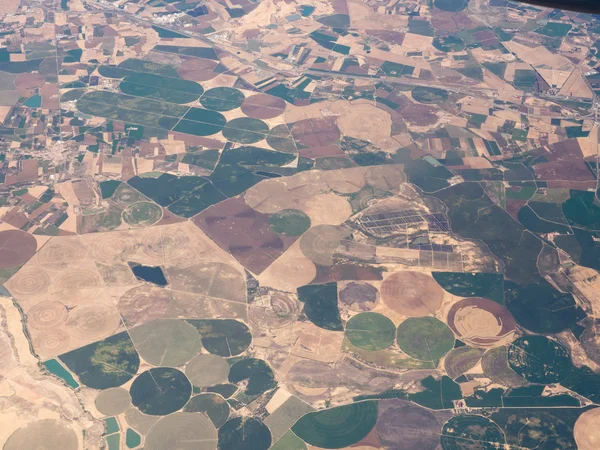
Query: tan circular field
(345, 181)
(145, 303)
(47, 434)
(207, 370)
(587, 430)
(386, 178)
(113, 401)
(480, 322)
(47, 314)
(311, 378)
(365, 121)
(319, 243)
(77, 279)
(327, 209)
(140, 421)
(160, 243)
(109, 248)
(62, 252)
(93, 321)
(119, 274)
(29, 282)
(182, 431)
(51, 342)
(290, 272)
(412, 294)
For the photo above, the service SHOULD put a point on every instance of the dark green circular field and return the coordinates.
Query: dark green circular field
(280, 138)
(425, 338)
(223, 337)
(222, 99)
(451, 5)
(471, 433)
(160, 391)
(429, 95)
(371, 331)
(243, 433)
(449, 44)
(289, 222)
(255, 373)
(245, 130)
(142, 214)
(337, 427)
(215, 407)
(539, 359)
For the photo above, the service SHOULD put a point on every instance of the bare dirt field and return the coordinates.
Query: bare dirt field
(413, 294)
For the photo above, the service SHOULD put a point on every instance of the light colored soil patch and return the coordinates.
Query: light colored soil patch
(52, 342)
(62, 252)
(183, 431)
(47, 315)
(386, 178)
(587, 430)
(413, 294)
(144, 304)
(366, 122)
(320, 243)
(289, 271)
(207, 370)
(93, 321)
(109, 248)
(113, 401)
(118, 274)
(327, 209)
(345, 181)
(30, 281)
(139, 421)
(45, 434)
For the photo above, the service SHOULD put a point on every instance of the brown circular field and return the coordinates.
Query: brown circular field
(16, 248)
(145, 303)
(47, 434)
(359, 297)
(408, 427)
(480, 322)
(273, 195)
(198, 69)
(587, 430)
(62, 252)
(315, 132)
(263, 106)
(345, 181)
(109, 248)
(93, 321)
(207, 370)
(165, 243)
(52, 342)
(365, 121)
(29, 282)
(183, 431)
(119, 274)
(113, 401)
(386, 178)
(77, 279)
(319, 243)
(419, 115)
(47, 314)
(412, 294)
(311, 378)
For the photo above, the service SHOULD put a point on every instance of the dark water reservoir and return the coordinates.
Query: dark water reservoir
(148, 273)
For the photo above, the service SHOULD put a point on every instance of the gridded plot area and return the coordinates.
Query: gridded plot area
(393, 222)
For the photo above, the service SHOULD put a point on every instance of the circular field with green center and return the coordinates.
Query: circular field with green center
(289, 222)
(425, 338)
(280, 138)
(449, 44)
(371, 331)
(222, 99)
(160, 391)
(245, 130)
(429, 95)
(142, 214)
(242, 433)
(539, 359)
(471, 433)
(337, 427)
(215, 407)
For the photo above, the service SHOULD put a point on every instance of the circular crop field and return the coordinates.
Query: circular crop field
(461, 360)
(160, 391)
(207, 370)
(16, 248)
(215, 407)
(429, 95)
(449, 43)
(495, 366)
(289, 222)
(587, 430)
(140, 421)
(414, 427)
(198, 69)
(108, 248)
(385, 178)
(243, 433)
(29, 282)
(47, 314)
(142, 214)
(182, 431)
(256, 375)
(62, 252)
(451, 5)
(413, 294)
(166, 342)
(47, 434)
(315, 132)
(311, 378)
(245, 130)
(222, 99)
(319, 243)
(263, 106)
(359, 297)
(337, 427)
(224, 337)
(371, 331)
(93, 321)
(51, 342)
(471, 432)
(425, 338)
(280, 138)
(539, 359)
(480, 322)
(113, 401)
(144, 303)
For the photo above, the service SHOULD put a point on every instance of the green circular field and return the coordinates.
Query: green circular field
(289, 222)
(280, 138)
(215, 407)
(160, 391)
(539, 359)
(255, 373)
(425, 338)
(451, 5)
(449, 44)
(245, 130)
(471, 433)
(222, 99)
(371, 331)
(337, 427)
(429, 95)
(243, 433)
(142, 214)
